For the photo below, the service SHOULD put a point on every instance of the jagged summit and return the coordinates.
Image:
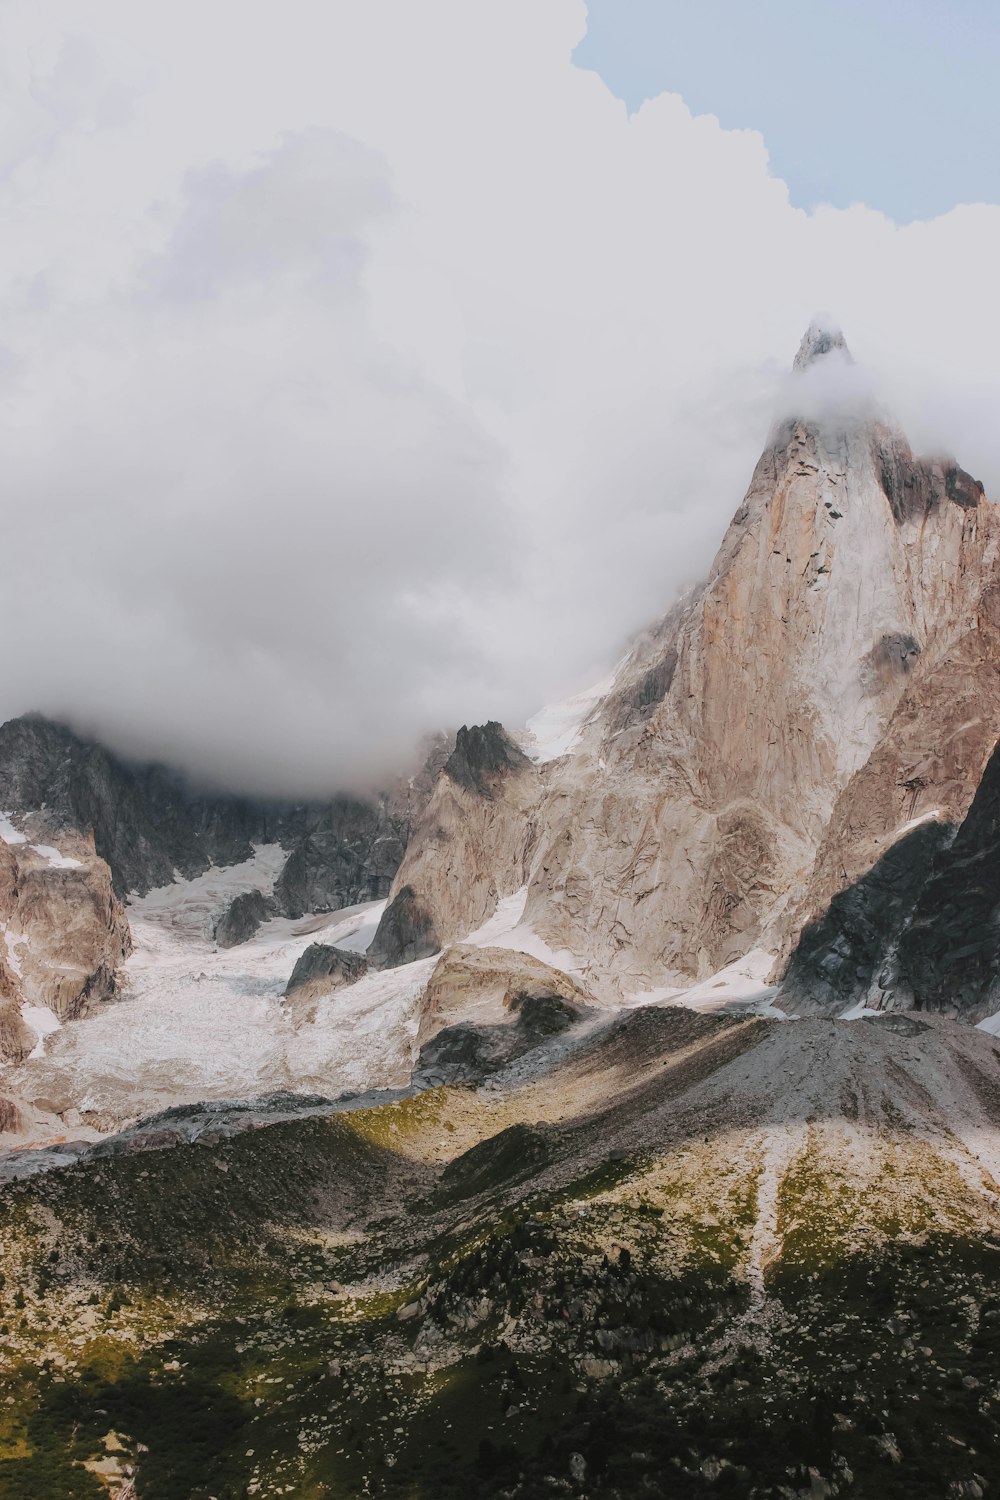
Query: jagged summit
(822, 337)
(679, 834)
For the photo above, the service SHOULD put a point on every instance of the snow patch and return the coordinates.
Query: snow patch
(9, 833)
(352, 929)
(192, 907)
(859, 1011)
(507, 929)
(195, 1023)
(43, 1022)
(928, 817)
(742, 985)
(13, 941)
(55, 859)
(556, 729)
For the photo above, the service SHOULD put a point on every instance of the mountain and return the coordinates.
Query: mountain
(596, 1114)
(148, 824)
(673, 1255)
(84, 831)
(828, 663)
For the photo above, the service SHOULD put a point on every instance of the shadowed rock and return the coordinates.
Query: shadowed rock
(482, 756)
(405, 933)
(322, 968)
(949, 955)
(845, 956)
(243, 917)
(466, 1053)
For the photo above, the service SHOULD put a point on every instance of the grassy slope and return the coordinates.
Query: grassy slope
(225, 1317)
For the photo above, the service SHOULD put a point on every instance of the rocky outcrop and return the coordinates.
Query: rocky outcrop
(405, 933)
(482, 757)
(487, 985)
(948, 956)
(243, 917)
(484, 1008)
(467, 1053)
(321, 969)
(64, 933)
(472, 846)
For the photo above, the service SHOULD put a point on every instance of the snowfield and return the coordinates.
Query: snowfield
(196, 1023)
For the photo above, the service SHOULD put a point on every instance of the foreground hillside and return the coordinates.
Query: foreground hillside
(681, 1256)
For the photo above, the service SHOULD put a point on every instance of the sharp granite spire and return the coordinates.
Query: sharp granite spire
(678, 835)
(823, 337)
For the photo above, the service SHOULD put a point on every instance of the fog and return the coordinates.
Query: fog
(368, 370)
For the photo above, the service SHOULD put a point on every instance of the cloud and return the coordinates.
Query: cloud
(369, 369)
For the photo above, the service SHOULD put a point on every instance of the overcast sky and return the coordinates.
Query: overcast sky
(370, 368)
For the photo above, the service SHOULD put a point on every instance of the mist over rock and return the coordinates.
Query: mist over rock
(482, 756)
(144, 821)
(681, 832)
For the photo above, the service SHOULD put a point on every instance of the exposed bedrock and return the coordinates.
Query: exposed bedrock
(321, 969)
(64, 935)
(244, 917)
(472, 847)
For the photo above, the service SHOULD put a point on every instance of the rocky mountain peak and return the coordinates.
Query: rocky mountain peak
(482, 754)
(823, 337)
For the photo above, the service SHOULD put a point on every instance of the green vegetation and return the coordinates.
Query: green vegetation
(309, 1311)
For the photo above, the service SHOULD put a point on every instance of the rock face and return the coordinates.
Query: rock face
(807, 677)
(243, 918)
(846, 957)
(64, 933)
(921, 929)
(322, 969)
(486, 1007)
(149, 825)
(949, 952)
(927, 764)
(349, 853)
(472, 846)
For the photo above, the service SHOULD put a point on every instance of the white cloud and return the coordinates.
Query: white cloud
(367, 368)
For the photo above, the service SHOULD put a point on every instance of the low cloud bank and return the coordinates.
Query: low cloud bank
(365, 370)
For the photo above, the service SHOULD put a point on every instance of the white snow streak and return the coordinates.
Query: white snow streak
(9, 833)
(55, 859)
(43, 1022)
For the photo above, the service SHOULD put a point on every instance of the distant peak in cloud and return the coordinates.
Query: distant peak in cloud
(823, 336)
